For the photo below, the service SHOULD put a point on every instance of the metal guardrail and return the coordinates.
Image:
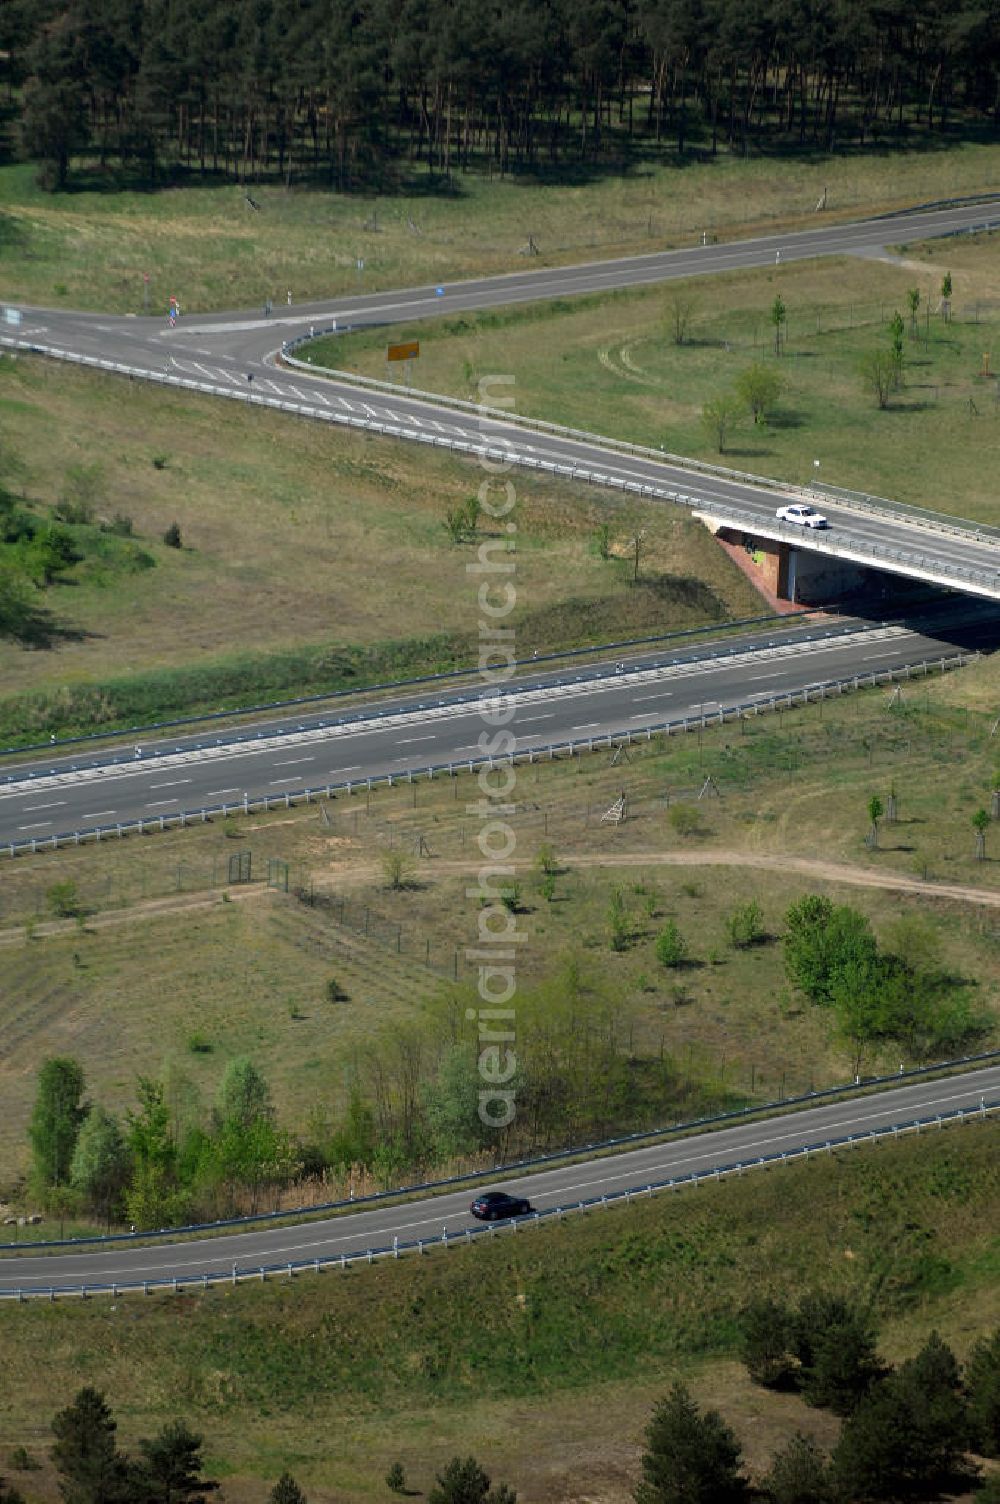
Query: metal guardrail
(467, 1234)
(444, 676)
(144, 825)
(512, 1167)
(857, 500)
(733, 654)
(859, 550)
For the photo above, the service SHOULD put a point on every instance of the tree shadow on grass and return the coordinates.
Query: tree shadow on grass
(785, 417)
(36, 627)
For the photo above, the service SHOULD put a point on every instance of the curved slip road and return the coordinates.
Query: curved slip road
(425, 1217)
(232, 355)
(84, 791)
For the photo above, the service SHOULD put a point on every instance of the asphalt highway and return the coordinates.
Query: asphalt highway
(563, 1185)
(59, 795)
(235, 355)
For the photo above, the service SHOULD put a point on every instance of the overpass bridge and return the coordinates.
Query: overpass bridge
(247, 358)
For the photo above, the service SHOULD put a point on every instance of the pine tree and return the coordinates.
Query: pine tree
(835, 1346)
(91, 1469)
(171, 1467)
(799, 1474)
(908, 1434)
(982, 1386)
(286, 1491)
(465, 1482)
(690, 1458)
(765, 1337)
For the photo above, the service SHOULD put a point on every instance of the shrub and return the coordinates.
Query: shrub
(745, 925)
(172, 536)
(545, 858)
(135, 559)
(618, 925)
(684, 819)
(63, 901)
(198, 1044)
(398, 869)
(334, 992)
(671, 947)
(395, 1479)
(80, 489)
(510, 897)
(120, 525)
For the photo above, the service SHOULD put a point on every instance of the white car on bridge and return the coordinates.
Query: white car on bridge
(803, 514)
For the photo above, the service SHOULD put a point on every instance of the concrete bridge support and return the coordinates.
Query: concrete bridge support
(797, 575)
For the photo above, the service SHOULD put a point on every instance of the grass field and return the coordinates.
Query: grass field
(90, 249)
(790, 819)
(289, 535)
(610, 364)
(544, 1355)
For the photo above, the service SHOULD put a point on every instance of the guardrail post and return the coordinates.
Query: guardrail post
(234, 1274)
(395, 1248)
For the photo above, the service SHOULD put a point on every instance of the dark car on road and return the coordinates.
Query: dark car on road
(494, 1205)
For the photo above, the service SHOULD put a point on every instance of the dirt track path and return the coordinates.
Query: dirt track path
(342, 874)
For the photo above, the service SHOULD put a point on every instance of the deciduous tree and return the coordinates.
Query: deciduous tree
(758, 388)
(100, 1166)
(56, 1119)
(876, 371)
(719, 415)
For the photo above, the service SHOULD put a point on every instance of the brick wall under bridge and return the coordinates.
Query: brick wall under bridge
(796, 576)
